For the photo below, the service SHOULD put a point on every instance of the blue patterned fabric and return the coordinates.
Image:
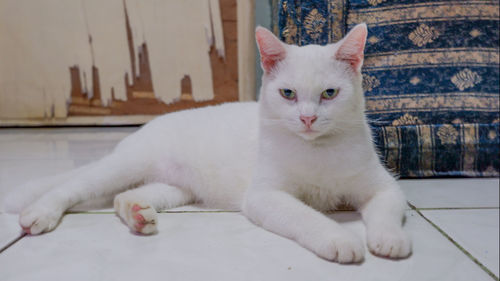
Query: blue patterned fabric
(431, 77)
(309, 22)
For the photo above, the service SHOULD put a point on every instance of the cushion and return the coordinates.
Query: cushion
(431, 77)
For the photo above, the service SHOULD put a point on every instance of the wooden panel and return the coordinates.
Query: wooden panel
(246, 52)
(87, 97)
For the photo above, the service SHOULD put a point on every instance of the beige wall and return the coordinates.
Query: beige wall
(41, 39)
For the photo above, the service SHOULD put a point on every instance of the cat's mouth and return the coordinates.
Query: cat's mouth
(309, 130)
(309, 134)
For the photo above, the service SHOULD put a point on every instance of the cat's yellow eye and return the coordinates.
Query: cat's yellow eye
(287, 94)
(329, 94)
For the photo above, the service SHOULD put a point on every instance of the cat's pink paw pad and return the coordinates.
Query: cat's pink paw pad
(136, 208)
(139, 216)
(144, 219)
(140, 222)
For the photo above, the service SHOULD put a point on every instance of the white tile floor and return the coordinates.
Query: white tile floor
(454, 225)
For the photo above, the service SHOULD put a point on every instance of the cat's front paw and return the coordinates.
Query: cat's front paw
(139, 217)
(392, 242)
(38, 218)
(346, 248)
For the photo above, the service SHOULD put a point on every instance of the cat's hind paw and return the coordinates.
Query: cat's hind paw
(144, 219)
(37, 219)
(140, 218)
(389, 242)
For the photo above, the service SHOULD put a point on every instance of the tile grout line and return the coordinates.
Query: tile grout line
(469, 255)
(11, 243)
(180, 212)
(160, 212)
(90, 213)
(457, 208)
(329, 212)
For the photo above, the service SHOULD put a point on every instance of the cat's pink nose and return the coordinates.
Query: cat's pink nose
(308, 120)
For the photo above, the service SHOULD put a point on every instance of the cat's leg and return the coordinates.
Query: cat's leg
(137, 207)
(110, 175)
(283, 214)
(27, 193)
(383, 215)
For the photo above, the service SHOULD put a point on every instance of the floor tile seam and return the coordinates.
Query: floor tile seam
(456, 208)
(100, 155)
(467, 253)
(11, 243)
(180, 212)
(161, 212)
(194, 212)
(214, 211)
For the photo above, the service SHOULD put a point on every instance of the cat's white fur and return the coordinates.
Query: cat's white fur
(257, 158)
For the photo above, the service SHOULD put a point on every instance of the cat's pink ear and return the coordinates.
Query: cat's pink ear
(270, 47)
(352, 47)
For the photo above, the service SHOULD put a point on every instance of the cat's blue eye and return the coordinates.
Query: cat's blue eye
(287, 94)
(329, 94)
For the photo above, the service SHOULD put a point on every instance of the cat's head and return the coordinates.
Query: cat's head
(313, 91)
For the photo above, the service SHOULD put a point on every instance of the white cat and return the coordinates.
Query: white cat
(304, 148)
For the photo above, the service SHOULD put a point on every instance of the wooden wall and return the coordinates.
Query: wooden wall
(121, 61)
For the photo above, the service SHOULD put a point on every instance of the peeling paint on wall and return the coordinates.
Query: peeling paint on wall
(41, 40)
